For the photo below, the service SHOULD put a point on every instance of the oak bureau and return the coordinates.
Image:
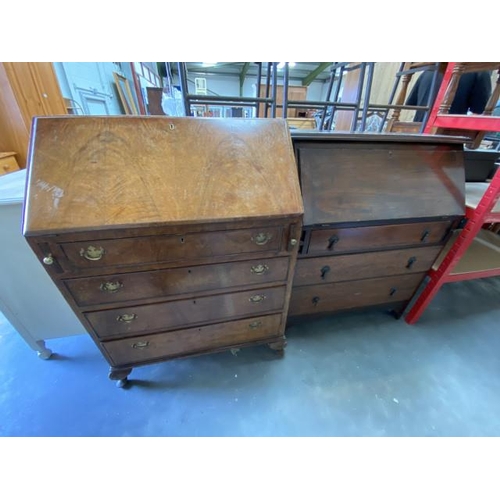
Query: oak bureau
(168, 237)
(377, 211)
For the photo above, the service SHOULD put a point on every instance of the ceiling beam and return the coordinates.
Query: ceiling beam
(243, 74)
(314, 73)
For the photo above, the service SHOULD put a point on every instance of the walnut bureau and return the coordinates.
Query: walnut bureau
(168, 237)
(377, 211)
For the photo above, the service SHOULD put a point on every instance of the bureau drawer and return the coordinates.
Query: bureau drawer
(355, 239)
(352, 294)
(192, 340)
(170, 248)
(154, 284)
(178, 313)
(318, 270)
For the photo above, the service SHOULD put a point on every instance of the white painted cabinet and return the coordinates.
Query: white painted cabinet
(28, 298)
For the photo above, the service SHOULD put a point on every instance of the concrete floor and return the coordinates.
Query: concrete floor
(351, 374)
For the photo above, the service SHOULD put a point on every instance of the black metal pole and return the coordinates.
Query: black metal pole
(285, 92)
(274, 89)
(361, 82)
(257, 92)
(268, 80)
(184, 87)
(333, 73)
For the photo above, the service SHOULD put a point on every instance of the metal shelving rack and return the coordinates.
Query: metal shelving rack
(472, 252)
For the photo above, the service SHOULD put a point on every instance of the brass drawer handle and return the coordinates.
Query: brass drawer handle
(92, 253)
(111, 286)
(262, 238)
(332, 241)
(259, 269)
(424, 236)
(257, 298)
(255, 324)
(393, 291)
(127, 318)
(48, 260)
(140, 345)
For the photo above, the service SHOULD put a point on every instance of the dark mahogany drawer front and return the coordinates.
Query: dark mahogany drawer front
(352, 294)
(319, 270)
(154, 284)
(192, 340)
(156, 317)
(355, 239)
(171, 248)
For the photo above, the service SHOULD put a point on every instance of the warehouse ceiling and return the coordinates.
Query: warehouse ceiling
(307, 72)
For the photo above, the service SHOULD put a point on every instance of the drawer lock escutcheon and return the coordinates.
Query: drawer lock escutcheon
(259, 269)
(92, 252)
(127, 318)
(393, 291)
(315, 300)
(140, 345)
(257, 298)
(262, 238)
(424, 236)
(111, 286)
(255, 324)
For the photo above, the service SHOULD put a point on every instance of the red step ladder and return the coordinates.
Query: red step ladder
(472, 252)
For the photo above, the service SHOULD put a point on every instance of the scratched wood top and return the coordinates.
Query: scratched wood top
(106, 172)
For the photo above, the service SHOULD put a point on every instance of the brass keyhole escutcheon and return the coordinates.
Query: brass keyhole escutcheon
(315, 300)
(255, 324)
(92, 252)
(111, 286)
(127, 318)
(257, 298)
(259, 269)
(261, 238)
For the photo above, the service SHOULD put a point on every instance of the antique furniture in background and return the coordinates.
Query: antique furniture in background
(377, 211)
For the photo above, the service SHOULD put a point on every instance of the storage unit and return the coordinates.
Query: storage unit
(28, 297)
(169, 237)
(472, 252)
(377, 211)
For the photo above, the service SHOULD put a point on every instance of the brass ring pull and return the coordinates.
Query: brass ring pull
(48, 260)
(92, 252)
(257, 298)
(111, 286)
(259, 269)
(262, 238)
(255, 324)
(140, 345)
(127, 318)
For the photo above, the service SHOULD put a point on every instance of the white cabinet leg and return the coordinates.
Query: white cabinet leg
(43, 352)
